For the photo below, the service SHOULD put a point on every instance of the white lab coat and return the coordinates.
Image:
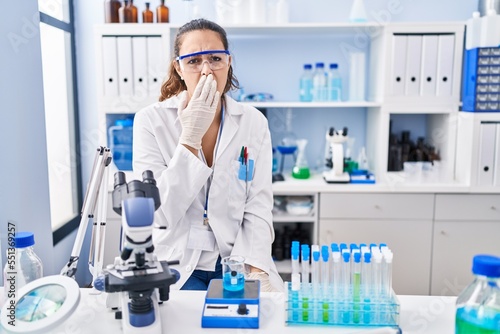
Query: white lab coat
(242, 223)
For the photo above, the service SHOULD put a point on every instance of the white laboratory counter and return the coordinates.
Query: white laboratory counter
(182, 314)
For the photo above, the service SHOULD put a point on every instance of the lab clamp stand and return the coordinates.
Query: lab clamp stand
(337, 140)
(137, 282)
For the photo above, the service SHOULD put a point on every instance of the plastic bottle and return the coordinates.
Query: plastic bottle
(25, 267)
(334, 83)
(306, 84)
(490, 26)
(319, 83)
(473, 32)
(478, 306)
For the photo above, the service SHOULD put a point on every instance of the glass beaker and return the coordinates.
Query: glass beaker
(301, 168)
(233, 273)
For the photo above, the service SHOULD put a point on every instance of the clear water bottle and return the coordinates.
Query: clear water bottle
(319, 83)
(334, 83)
(306, 84)
(23, 265)
(478, 306)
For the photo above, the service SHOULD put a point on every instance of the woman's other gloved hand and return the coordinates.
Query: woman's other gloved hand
(199, 113)
(263, 277)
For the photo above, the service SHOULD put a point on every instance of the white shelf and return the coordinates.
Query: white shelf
(288, 218)
(285, 104)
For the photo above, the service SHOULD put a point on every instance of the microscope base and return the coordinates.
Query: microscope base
(128, 328)
(330, 177)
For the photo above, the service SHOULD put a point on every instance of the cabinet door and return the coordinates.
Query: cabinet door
(455, 244)
(410, 241)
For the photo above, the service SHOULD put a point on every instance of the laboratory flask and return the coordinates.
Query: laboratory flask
(478, 306)
(22, 265)
(301, 168)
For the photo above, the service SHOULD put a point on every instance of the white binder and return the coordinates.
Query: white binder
(445, 65)
(496, 178)
(140, 67)
(125, 70)
(487, 138)
(156, 68)
(429, 65)
(109, 67)
(413, 65)
(399, 49)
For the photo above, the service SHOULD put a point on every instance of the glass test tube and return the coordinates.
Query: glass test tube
(376, 273)
(366, 283)
(295, 252)
(387, 273)
(305, 282)
(325, 268)
(315, 270)
(356, 284)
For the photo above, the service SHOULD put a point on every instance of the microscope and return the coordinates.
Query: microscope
(137, 283)
(336, 174)
(140, 280)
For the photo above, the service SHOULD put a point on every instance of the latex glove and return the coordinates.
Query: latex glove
(197, 116)
(263, 277)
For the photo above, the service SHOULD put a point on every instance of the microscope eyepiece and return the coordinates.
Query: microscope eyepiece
(120, 179)
(147, 177)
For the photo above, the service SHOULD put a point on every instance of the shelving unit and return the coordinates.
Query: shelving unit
(269, 57)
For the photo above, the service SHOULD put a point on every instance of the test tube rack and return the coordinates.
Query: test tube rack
(305, 307)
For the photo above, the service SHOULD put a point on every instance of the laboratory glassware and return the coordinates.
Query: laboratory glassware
(111, 8)
(23, 265)
(147, 14)
(358, 11)
(301, 168)
(162, 13)
(233, 273)
(334, 83)
(306, 84)
(319, 83)
(133, 12)
(478, 306)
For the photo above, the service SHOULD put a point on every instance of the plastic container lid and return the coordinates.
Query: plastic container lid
(320, 65)
(308, 67)
(24, 239)
(332, 66)
(486, 265)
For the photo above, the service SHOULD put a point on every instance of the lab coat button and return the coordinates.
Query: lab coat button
(188, 268)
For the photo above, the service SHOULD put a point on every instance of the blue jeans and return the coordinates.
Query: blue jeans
(200, 279)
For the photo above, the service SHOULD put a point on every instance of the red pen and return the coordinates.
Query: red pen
(246, 155)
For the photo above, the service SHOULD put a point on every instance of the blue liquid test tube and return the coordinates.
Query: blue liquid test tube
(295, 252)
(356, 285)
(315, 279)
(346, 284)
(366, 283)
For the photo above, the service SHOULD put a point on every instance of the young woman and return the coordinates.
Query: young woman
(212, 160)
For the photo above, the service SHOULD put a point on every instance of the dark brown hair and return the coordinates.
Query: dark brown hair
(174, 85)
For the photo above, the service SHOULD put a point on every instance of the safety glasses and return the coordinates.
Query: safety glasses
(193, 62)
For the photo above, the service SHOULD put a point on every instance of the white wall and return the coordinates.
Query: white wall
(24, 191)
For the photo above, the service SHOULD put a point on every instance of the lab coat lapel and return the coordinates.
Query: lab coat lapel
(231, 124)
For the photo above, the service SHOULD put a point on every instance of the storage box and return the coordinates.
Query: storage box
(481, 80)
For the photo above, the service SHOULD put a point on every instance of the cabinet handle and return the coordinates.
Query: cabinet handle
(443, 232)
(377, 206)
(493, 207)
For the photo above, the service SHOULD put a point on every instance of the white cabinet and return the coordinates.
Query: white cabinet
(402, 221)
(465, 225)
(293, 224)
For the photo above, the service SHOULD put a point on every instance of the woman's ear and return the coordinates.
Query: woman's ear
(230, 60)
(178, 69)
